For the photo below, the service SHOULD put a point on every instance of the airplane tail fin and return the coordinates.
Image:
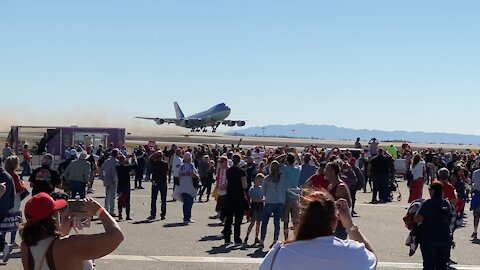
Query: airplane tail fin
(178, 111)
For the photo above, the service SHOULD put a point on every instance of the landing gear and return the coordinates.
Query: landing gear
(214, 128)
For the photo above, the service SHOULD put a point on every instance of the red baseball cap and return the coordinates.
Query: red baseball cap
(352, 161)
(42, 206)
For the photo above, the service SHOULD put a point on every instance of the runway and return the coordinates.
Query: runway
(194, 139)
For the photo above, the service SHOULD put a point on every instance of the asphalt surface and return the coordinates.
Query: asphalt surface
(194, 139)
(170, 245)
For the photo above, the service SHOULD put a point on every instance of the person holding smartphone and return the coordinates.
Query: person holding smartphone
(314, 245)
(44, 241)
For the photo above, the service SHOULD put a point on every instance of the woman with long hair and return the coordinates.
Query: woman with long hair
(418, 171)
(46, 243)
(274, 188)
(315, 246)
(11, 165)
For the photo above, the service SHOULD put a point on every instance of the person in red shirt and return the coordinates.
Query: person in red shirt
(448, 190)
(318, 180)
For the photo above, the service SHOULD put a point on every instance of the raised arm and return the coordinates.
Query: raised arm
(88, 247)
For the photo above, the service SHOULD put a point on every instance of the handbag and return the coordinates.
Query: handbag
(215, 193)
(196, 183)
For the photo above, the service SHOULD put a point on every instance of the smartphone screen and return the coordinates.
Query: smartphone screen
(76, 206)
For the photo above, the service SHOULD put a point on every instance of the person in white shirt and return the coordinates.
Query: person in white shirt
(419, 171)
(315, 247)
(176, 164)
(258, 154)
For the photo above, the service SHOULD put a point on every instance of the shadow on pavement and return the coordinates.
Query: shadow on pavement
(211, 238)
(174, 225)
(476, 241)
(259, 253)
(212, 225)
(146, 221)
(224, 249)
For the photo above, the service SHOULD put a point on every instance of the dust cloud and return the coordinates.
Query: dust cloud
(85, 116)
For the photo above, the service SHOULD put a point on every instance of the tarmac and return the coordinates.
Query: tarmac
(194, 139)
(168, 244)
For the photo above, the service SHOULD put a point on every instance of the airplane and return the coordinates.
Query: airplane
(212, 117)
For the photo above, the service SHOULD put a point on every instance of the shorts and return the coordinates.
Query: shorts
(476, 212)
(291, 210)
(257, 213)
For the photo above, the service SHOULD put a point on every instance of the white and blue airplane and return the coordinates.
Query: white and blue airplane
(213, 117)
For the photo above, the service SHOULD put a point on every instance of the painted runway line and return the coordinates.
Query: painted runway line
(233, 260)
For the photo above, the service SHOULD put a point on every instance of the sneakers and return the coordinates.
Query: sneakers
(257, 241)
(129, 218)
(474, 235)
(90, 191)
(15, 246)
(186, 222)
(7, 249)
(151, 218)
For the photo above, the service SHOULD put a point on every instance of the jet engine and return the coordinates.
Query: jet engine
(240, 123)
(231, 123)
(159, 121)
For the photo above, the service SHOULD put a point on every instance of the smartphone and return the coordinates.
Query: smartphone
(81, 222)
(76, 206)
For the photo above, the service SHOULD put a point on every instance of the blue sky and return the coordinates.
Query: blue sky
(389, 65)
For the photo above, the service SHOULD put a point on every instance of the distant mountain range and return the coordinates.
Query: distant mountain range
(330, 132)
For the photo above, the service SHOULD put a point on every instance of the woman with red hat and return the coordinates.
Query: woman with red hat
(46, 247)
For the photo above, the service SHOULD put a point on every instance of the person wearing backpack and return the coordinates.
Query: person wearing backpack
(435, 235)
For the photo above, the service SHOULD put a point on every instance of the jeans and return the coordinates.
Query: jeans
(110, 191)
(435, 257)
(139, 174)
(206, 186)
(187, 206)
(2, 238)
(276, 209)
(148, 171)
(380, 186)
(353, 196)
(26, 171)
(77, 188)
(163, 196)
(227, 229)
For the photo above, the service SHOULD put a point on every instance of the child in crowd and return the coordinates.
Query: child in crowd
(256, 207)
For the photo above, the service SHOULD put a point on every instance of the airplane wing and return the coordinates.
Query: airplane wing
(159, 120)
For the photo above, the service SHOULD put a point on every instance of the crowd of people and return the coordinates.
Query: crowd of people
(311, 190)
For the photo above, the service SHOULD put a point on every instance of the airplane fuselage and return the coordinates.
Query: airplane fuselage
(209, 117)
